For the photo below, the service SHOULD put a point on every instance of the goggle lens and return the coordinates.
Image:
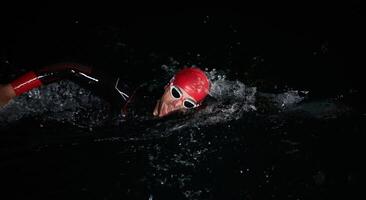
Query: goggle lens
(188, 104)
(177, 94)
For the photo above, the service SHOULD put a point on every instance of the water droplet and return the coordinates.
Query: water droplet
(206, 19)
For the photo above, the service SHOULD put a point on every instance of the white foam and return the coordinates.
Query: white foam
(63, 102)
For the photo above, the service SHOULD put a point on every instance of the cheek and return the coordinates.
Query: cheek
(166, 96)
(169, 100)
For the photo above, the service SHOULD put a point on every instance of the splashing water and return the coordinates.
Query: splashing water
(171, 162)
(64, 102)
(230, 100)
(67, 102)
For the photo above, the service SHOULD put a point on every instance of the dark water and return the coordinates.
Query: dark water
(284, 119)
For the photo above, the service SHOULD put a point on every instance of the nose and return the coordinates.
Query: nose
(170, 107)
(177, 103)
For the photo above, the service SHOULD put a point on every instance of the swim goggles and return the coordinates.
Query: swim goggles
(176, 93)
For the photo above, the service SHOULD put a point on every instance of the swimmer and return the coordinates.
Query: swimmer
(186, 90)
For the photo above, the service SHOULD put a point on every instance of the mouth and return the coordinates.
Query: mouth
(160, 109)
(157, 108)
(163, 109)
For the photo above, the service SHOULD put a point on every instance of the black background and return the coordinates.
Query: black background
(313, 46)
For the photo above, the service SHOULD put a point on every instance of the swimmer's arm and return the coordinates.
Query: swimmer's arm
(85, 76)
(34, 79)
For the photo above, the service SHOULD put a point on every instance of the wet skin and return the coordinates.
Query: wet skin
(168, 104)
(6, 94)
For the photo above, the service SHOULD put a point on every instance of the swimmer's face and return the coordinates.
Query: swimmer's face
(173, 100)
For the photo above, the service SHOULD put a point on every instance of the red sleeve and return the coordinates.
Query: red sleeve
(25, 83)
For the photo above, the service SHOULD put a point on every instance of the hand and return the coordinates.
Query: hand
(6, 94)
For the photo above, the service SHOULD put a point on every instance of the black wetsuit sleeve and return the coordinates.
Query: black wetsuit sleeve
(112, 89)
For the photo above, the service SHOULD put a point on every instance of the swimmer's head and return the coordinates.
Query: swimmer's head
(186, 90)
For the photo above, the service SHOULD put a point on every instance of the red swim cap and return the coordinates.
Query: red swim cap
(193, 81)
